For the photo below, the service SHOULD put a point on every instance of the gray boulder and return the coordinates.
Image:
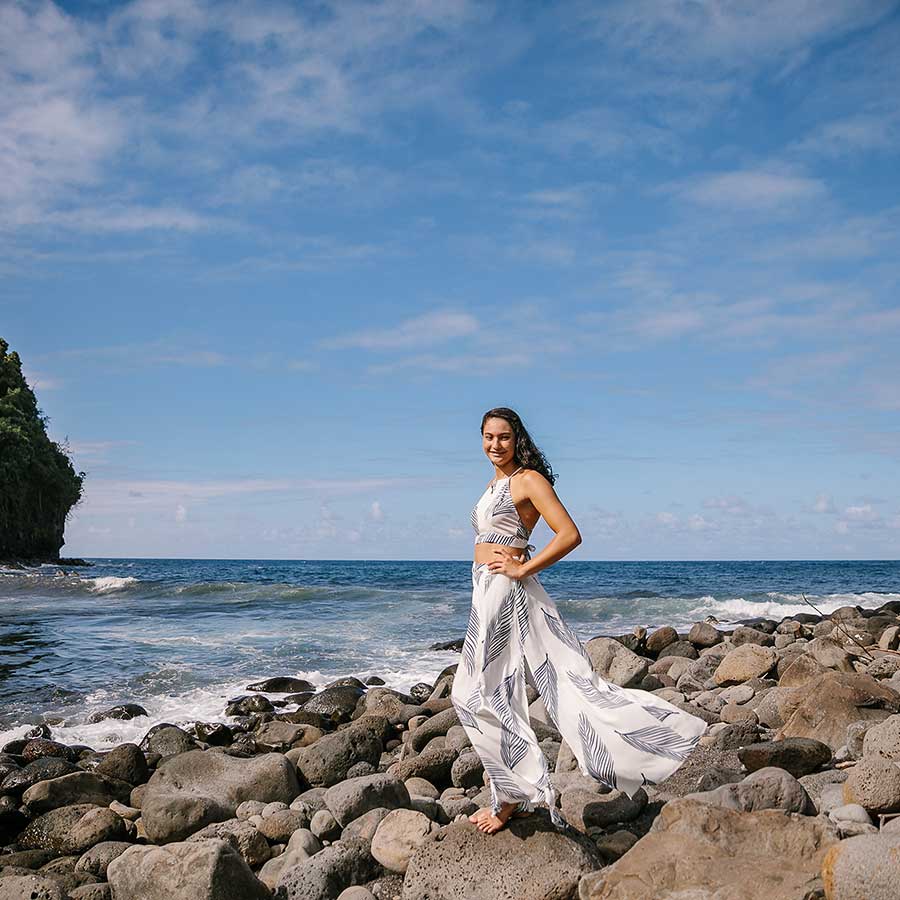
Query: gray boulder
(72, 829)
(614, 662)
(196, 870)
(79, 787)
(697, 851)
(436, 726)
(96, 860)
(243, 837)
(330, 871)
(770, 788)
(350, 799)
(125, 763)
(434, 764)
(31, 887)
(195, 789)
(799, 756)
(327, 761)
(529, 859)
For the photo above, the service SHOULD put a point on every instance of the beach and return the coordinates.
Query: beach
(260, 729)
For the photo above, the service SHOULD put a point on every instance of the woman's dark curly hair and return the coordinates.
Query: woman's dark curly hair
(527, 454)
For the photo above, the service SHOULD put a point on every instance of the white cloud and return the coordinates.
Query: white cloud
(180, 513)
(824, 504)
(424, 330)
(375, 511)
(755, 190)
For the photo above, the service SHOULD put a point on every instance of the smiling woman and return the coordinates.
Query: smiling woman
(623, 738)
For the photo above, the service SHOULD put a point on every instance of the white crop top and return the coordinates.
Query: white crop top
(496, 519)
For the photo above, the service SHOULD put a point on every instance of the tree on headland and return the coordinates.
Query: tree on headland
(38, 483)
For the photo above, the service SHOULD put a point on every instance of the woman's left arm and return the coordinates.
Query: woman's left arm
(566, 538)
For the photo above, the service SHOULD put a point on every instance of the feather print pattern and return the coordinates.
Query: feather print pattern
(659, 713)
(660, 741)
(471, 641)
(597, 758)
(563, 632)
(503, 782)
(601, 699)
(547, 685)
(498, 631)
(521, 610)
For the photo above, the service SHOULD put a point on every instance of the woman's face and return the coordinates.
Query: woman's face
(498, 441)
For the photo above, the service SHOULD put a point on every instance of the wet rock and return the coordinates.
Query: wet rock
(125, 763)
(248, 704)
(78, 787)
(72, 829)
(167, 740)
(799, 756)
(124, 711)
(199, 870)
(19, 780)
(214, 733)
(195, 789)
(527, 860)
(327, 761)
(694, 850)
(350, 799)
(336, 703)
(41, 748)
(282, 684)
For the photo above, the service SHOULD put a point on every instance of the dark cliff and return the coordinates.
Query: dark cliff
(38, 484)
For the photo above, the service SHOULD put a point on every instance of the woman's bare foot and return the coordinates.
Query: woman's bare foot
(485, 820)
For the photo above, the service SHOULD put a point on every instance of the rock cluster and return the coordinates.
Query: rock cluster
(360, 792)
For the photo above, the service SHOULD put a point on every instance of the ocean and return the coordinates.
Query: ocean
(181, 637)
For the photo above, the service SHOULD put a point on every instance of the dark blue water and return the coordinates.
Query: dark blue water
(182, 636)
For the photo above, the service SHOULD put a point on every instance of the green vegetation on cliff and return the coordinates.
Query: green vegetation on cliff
(38, 484)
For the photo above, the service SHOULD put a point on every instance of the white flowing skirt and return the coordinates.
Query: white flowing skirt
(622, 737)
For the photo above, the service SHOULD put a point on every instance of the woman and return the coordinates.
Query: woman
(622, 737)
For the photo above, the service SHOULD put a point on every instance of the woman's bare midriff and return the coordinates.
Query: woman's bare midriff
(486, 552)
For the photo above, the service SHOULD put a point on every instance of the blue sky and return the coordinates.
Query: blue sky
(268, 263)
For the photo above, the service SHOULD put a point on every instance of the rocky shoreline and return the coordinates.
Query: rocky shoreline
(357, 791)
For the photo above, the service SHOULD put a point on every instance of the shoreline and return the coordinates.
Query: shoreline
(306, 791)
